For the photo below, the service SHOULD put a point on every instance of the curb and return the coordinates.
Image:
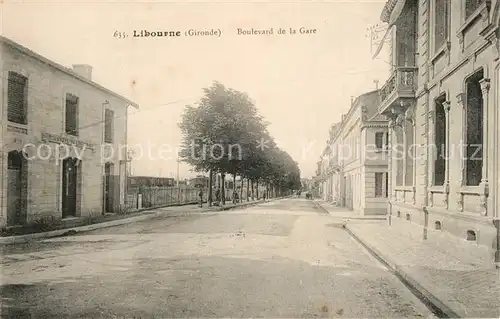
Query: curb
(375, 217)
(149, 213)
(318, 205)
(437, 306)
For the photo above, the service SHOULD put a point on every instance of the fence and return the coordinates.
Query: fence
(156, 196)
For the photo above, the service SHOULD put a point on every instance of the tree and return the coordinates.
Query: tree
(222, 134)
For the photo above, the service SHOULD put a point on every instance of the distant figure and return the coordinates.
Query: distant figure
(201, 196)
(217, 196)
(235, 197)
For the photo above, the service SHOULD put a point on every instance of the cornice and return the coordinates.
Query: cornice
(378, 125)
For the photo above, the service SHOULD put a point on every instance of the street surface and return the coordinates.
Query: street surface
(279, 259)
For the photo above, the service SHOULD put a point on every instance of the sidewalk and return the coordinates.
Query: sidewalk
(343, 212)
(458, 278)
(77, 224)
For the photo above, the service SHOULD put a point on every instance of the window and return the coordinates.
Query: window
(409, 157)
(71, 114)
(386, 184)
(17, 98)
(406, 35)
(441, 23)
(108, 128)
(387, 142)
(398, 157)
(379, 140)
(440, 143)
(381, 184)
(474, 130)
(471, 6)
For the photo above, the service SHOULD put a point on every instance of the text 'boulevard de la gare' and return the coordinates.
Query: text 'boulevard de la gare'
(150, 33)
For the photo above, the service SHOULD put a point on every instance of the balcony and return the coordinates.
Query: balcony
(401, 85)
(334, 166)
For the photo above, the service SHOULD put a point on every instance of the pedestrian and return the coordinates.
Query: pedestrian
(217, 196)
(235, 197)
(201, 196)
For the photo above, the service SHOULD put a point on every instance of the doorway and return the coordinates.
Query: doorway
(17, 182)
(108, 187)
(70, 170)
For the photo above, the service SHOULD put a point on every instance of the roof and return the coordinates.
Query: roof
(64, 69)
(370, 99)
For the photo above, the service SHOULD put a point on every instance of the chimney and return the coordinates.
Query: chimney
(83, 70)
(352, 100)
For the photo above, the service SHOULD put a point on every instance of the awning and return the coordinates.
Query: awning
(381, 44)
(395, 14)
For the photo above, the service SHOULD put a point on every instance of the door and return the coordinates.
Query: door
(69, 187)
(349, 192)
(108, 187)
(16, 193)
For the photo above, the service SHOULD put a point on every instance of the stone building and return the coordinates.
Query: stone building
(355, 161)
(333, 170)
(63, 140)
(442, 102)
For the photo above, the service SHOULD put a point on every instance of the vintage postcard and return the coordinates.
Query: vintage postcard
(242, 159)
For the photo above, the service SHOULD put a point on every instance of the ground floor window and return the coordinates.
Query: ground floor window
(381, 184)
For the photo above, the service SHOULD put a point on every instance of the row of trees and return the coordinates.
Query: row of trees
(224, 134)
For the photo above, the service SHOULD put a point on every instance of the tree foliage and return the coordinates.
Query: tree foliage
(225, 133)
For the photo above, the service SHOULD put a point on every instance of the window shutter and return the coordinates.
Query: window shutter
(17, 98)
(71, 114)
(108, 128)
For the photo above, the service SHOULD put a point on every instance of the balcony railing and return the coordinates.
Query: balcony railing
(401, 83)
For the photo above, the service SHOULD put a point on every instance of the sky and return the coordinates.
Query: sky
(301, 83)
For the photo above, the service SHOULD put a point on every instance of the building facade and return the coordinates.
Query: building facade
(442, 104)
(63, 138)
(354, 165)
(199, 181)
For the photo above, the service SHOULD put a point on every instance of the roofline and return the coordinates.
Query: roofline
(64, 69)
(355, 104)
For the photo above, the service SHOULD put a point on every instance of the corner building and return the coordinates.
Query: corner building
(442, 104)
(46, 106)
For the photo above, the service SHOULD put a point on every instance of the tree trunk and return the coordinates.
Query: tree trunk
(210, 183)
(241, 190)
(253, 194)
(223, 189)
(257, 192)
(248, 187)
